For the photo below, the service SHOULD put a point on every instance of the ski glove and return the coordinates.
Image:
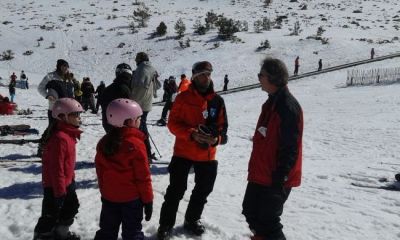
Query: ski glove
(59, 202)
(148, 210)
(278, 180)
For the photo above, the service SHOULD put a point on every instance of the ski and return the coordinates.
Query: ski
(21, 129)
(18, 141)
(159, 163)
(20, 161)
(391, 187)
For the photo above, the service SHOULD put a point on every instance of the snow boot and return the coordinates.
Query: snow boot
(61, 232)
(161, 122)
(195, 227)
(164, 232)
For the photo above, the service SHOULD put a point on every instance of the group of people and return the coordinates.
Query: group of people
(199, 122)
(13, 84)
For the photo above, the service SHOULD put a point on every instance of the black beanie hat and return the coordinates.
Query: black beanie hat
(61, 62)
(200, 67)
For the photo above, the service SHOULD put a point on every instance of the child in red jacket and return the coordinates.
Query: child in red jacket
(60, 202)
(123, 174)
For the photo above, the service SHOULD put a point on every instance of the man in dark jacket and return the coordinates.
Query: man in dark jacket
(170, 89)
(87, 95)
(118, 89)
(276, 158)
(99, 91)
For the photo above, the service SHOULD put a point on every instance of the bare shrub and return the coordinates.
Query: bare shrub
(142, 15)
(7, 55)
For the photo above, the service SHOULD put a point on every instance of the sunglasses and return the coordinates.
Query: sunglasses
(75, 114)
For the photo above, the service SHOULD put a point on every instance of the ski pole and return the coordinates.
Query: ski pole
(151, 139)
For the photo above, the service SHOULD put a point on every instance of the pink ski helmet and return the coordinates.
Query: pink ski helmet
(65, 106)
(122, 109)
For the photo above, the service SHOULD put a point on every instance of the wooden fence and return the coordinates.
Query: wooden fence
(372, 76)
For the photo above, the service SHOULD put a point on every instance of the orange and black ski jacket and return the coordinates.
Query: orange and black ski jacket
(191, 109)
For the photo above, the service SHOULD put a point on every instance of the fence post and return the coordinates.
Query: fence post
(377, 81)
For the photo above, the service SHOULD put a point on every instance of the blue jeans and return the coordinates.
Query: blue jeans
(12, 96)
(130, 214)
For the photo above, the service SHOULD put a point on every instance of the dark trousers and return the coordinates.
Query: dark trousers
(166, 108)
(52, 215)
(45, 134)
(205, 175)
(225, 87)
(88, 102)
(129, 214)
(262, 207)
(143, 127)
(296, 69)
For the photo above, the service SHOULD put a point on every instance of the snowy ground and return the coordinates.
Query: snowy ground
(351, 134)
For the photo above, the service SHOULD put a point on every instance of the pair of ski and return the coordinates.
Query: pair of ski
(392, 186)
(21, 129)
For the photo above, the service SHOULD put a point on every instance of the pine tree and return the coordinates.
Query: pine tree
(161, 30)
(180, 28)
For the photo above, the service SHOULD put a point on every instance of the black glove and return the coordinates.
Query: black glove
(148, 210)
(59, 202)
(278, 181)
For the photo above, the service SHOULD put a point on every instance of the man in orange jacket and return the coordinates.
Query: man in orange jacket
(199, 122)
(184, 84)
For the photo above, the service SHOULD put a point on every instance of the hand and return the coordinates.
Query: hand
(59, 201)
(51, 98)
(148, 211)
(278, 181)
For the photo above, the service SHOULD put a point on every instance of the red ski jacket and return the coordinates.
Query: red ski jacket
(59, 157)
(125, 176)
(277, 142)
(188, 111)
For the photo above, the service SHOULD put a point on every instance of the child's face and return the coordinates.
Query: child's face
(134, 123)
(74, 119)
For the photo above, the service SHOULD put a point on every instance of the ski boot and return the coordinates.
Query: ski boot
(164, 232)
(161, 122)
(196, 227)
(62, 232)
(397, 177)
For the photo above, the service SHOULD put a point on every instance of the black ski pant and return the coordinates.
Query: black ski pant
(205, 175)
(296, 70)
(52, 215)
(143, 128)
(225, 87)
(166, 108)
(113, 214)
(262, 207)
(88, 102)
(45, 134)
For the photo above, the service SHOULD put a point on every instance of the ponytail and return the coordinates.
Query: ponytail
(112, 141)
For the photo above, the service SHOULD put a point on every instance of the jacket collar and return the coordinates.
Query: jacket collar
(133, 132)
(69, 129)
